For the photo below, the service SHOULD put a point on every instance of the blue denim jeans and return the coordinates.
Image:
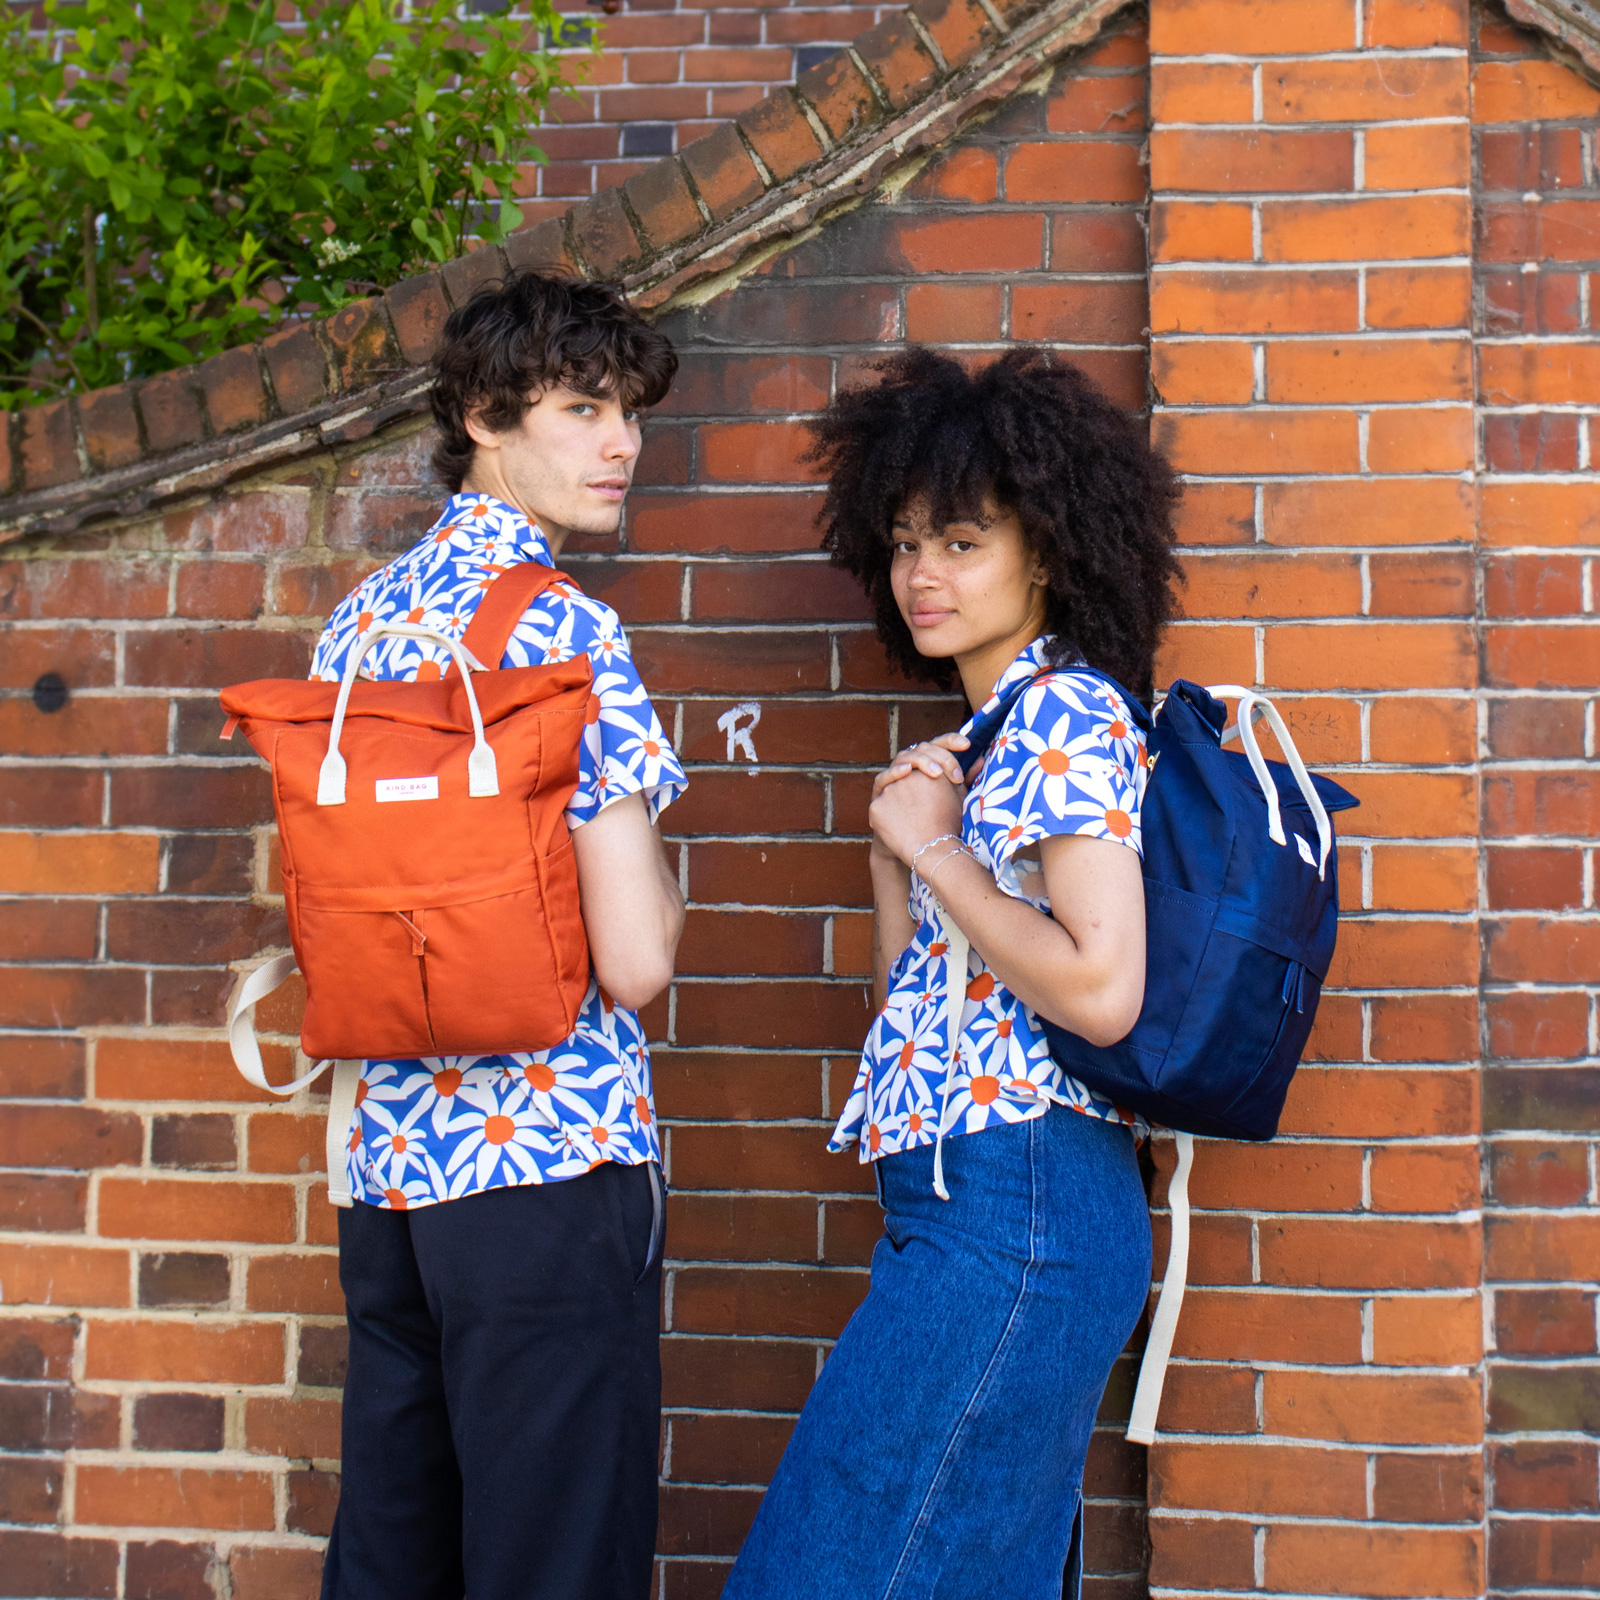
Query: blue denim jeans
(940, 1454)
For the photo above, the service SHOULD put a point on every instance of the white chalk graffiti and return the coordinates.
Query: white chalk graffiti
(738, 730)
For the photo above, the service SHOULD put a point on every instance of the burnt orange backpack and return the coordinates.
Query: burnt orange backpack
(428, 874)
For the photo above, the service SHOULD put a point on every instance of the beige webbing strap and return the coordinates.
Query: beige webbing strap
(1158, 1348)
(955, 1002)
(341, 1110)
(252, 988)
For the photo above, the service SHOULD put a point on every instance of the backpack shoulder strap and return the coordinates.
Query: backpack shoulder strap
(502, 606)
(1142, 718)
(985, 729)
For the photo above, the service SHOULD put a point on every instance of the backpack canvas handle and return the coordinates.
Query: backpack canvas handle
(1250, 703)
(483, 778)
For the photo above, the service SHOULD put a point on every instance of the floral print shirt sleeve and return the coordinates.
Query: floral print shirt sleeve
(1068, 760)
(437, 1128)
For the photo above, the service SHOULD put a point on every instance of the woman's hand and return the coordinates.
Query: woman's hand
(933, 757)
(911, 808)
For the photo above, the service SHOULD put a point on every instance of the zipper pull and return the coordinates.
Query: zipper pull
(418, 938)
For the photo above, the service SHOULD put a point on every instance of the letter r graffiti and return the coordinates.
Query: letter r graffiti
(738, 730)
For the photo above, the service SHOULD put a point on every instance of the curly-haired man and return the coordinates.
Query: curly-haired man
(501, 1264)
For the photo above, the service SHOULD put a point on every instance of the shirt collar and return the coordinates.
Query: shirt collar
(1031, 660)
(492, 519)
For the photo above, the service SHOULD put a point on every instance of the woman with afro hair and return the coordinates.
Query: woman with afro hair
(1010, 526)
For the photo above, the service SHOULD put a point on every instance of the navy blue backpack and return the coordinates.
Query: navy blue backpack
(1241, 898)
(1241, 908)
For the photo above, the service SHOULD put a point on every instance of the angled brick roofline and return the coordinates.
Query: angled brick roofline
(902, 87)
(1572, 25)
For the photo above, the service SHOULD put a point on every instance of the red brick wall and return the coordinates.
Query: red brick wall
(1026, 229)
(170, 1328)
(1385, 1376)
(1310, 305)
(1537, 246)
(1379, 553)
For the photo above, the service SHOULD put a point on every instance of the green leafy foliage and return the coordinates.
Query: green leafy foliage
(179, 176)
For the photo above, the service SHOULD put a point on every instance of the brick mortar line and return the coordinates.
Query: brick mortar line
(1317, 58)
(1291, 337)
(1307, 1519)
(1274, 125)
(1317, 407)
(1342, 264)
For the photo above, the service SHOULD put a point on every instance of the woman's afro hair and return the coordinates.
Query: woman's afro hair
(1036, 437)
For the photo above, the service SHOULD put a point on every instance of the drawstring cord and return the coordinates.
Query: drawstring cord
(955, 967)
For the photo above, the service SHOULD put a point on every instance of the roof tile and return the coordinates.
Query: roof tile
(960, 28)
(417, 309)
(298, 368)
(722, 171)
(110, 427)
(171, 411)
(662, 202)
(839, 95)
(464, 276)
(781, 134)
(49, 452)
(541, 248)
(234, 393)
(604, 235)
(898, 59)
(363, 348)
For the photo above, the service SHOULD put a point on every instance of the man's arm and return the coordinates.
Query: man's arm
(632, 907)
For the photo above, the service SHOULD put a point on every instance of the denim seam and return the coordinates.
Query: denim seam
(958, 1434)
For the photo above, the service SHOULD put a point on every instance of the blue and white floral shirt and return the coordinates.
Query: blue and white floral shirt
(445, 1126)
(1068, 760)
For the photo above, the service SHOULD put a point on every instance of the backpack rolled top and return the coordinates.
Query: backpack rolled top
(1241, 895)
(428, 873)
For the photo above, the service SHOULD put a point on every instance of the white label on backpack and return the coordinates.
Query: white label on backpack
(1305, 851)
(408, 788)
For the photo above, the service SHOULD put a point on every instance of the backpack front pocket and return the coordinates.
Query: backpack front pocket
(494, 979)
(365, 985)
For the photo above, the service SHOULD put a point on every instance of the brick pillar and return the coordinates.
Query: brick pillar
(1538, 366)
(1312, 361)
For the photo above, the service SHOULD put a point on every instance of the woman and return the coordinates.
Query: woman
(1007, 525)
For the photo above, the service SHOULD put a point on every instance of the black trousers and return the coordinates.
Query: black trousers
(502, 1410)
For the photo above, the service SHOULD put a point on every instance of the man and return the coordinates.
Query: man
(501, 1264)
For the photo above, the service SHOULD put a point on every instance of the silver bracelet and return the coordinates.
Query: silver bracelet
(954, 850)
(942, 839)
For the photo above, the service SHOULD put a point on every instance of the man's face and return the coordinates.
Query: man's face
(568, 464)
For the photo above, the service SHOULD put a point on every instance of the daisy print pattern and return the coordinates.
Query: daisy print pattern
(437, 1128)
(1068, 760)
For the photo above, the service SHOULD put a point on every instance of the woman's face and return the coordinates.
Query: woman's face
(969, 587)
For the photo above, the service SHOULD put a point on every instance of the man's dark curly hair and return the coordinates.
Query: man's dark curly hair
(513, 339)
(1038, 438)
